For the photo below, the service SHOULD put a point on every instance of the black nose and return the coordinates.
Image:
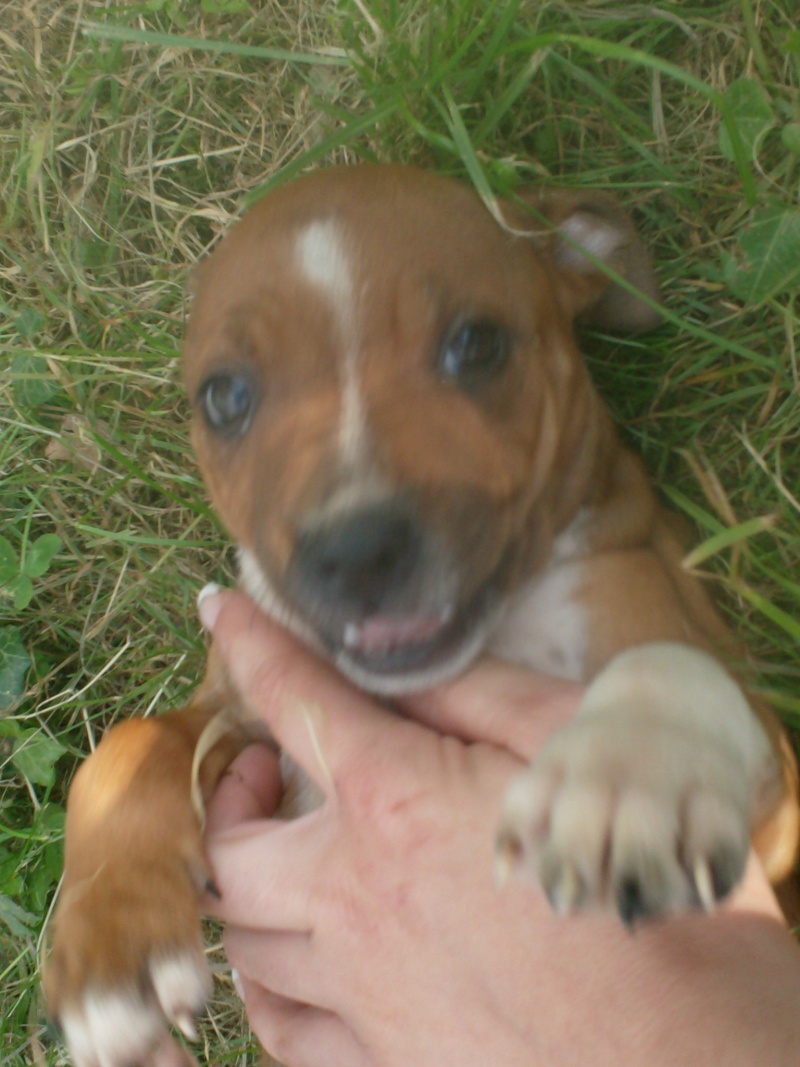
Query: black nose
(360, 559)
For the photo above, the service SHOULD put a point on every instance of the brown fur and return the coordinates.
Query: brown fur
(497, 476)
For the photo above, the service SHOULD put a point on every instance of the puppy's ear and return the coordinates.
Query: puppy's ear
(574, 224)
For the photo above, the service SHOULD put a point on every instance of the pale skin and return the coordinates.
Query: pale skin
(371, 932)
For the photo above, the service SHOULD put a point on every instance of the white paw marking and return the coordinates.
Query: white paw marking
(644, 802)
(183, 985)
(114, 1029)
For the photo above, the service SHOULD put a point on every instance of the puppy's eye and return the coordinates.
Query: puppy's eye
(474, 352)
(227, 402)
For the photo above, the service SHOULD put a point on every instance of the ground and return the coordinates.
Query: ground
(132, 135)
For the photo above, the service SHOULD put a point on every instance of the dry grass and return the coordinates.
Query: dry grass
(121, 162)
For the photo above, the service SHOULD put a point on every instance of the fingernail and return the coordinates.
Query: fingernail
(237, 983)
(208, 606)
(314, 716)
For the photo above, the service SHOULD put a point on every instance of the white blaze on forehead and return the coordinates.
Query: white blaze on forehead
(353, 423)
(324, 261)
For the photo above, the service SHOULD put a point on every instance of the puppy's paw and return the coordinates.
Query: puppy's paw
(639, 805)
(128, 1025)
(628, 816)
(126, 965)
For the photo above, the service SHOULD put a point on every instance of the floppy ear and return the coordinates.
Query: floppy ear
(575, 223)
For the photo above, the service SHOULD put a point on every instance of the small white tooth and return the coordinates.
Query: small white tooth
(352, 635)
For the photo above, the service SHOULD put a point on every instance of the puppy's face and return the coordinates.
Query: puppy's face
(386, 392)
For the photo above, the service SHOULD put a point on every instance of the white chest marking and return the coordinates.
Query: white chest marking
(323, 259)
(545, 627)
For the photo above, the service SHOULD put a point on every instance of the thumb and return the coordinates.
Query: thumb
(314, 714)
(512, 707)
(250, 789)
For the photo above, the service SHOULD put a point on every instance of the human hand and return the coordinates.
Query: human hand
(370, 931)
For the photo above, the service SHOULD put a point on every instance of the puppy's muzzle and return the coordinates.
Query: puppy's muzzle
(382, 590)
(360, 562)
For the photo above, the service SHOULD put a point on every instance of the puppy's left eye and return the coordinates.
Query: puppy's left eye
(227, 402)
(474, 352)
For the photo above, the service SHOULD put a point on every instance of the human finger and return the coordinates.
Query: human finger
(170, 1054)
(249, 789)
(285, 962)
(300, 1034)
(265, 873)
(500, 703)
(326, 724)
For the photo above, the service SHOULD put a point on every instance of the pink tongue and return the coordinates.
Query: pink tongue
(383, 633)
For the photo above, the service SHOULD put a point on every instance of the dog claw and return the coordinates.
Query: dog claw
(715, 878)
(185, 1022)
(632, 905)
(508, 850)
(562, 884)
(704, 883)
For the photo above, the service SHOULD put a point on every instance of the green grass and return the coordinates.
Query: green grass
(125, 153)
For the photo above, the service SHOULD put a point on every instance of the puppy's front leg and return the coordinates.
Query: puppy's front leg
(646, 802)
(126, 960)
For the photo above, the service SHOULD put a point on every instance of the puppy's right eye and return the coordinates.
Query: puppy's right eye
(474, 352)
(227, 402)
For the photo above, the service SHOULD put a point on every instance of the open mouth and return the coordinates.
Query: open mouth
(389, 651)
(396, 643)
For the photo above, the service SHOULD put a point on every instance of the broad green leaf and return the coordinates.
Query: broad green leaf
(40, 553)
(11, 884)
(49, 821)
(749, 107)
(43, 876)
(18, 921)
(28, 323)
(32, 381)
(14, 663)
(35, 755)
(45, 873)
(770, 247)
(9, 564)
(790, 135)
(21, 588)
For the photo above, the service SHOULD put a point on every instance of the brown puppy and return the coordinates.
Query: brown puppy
(394, 422)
